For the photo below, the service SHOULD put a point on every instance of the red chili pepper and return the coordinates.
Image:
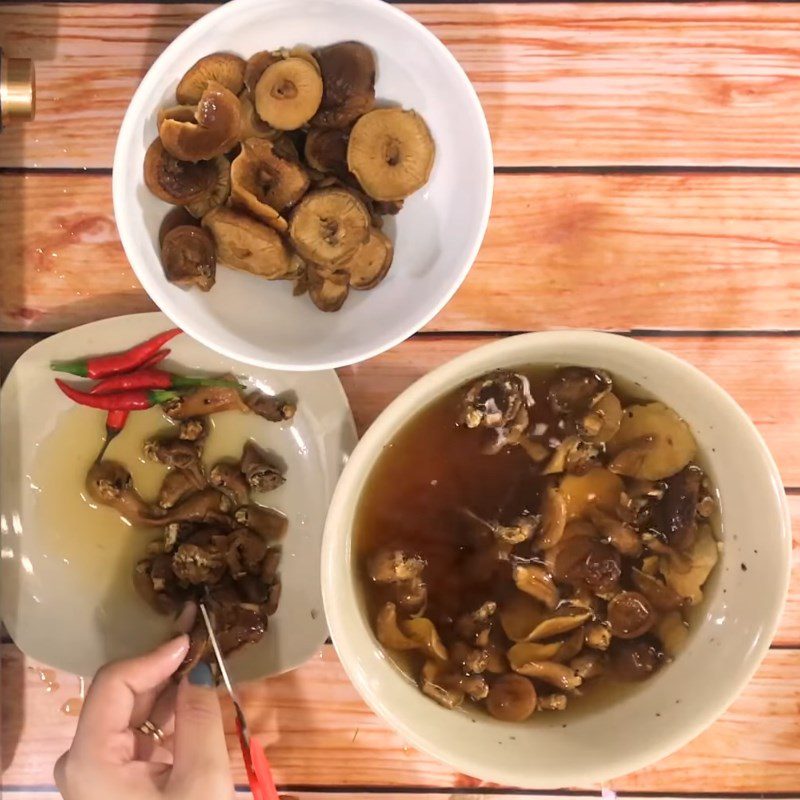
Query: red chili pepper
(115, 422)
(116, 363)
(155, 379)
(122, 401)
(155, 359)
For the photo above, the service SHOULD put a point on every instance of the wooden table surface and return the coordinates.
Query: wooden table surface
(648, 181)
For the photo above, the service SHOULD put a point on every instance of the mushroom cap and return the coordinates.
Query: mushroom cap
(181, 113)
(175, 217)
(188, 258)
(222, 68)
(259, 171)
(370, 263)
(326, 150)
(245, 244)
(216, 129)
(630, 615)
(255, 66)
(288, 93)
(175, 181)
(391, 152)
(328, 226)
(327, 294)
(512, 698)
(219, 191)
(348, 80)
(252, 126)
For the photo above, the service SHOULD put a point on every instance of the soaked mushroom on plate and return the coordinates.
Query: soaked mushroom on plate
(290, 169)
(554, 530)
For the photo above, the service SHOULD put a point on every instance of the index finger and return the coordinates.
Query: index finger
(111, 700)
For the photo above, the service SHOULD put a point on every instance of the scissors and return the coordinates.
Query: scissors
(256, 765)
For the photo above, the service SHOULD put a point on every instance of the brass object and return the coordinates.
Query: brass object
(17, 89)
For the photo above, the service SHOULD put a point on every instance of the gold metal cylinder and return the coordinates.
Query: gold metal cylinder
(17, 89)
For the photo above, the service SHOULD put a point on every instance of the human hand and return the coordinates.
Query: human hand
(109, 757)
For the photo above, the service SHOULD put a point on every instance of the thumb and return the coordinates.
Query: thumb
(199, 748)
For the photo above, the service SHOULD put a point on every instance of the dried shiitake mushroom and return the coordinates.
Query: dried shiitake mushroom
(222, 68)
(391, 153)
(328, 226)
(288, 93)
(246, 244)
(326, 293)
(368, 266)
(326, 150)
(188, 257)
(261, 174)
(255, 66)
(219, 191)
(348, 80)
(175, 181)
(252, 126)
(215, 131)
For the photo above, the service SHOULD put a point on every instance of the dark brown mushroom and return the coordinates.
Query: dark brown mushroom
(327, 293)
(496, 401)
(228, 478)
(246, 551)
(348, 80)
(215, 131)
(271, 407)
(174, 218)
(261, 474)
(635, 660)
(576, 389)
(585, 561)
(271, 606)
(188, 257)
(675, 515)
(198, 565)
(110, 484)
(176, 486)
(255, 66)
(203, 401)
(270, 565)
(239, 624)
(512, 698)
(326, 151)
(194, 430)
(630, 615)
(394, 566)
(177, 453)
(176, 181)
(661, 596)
(208, 505)
(253, 589)
(267, 522)
(222, 68)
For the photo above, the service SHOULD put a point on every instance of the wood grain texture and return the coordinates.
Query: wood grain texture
(319, 733)
(620, 252)
(562, 83)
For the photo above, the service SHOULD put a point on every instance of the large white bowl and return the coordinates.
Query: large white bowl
(437, 234)
(728, 641)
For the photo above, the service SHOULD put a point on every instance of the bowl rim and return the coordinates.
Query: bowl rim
(152, 283)
(336, 546)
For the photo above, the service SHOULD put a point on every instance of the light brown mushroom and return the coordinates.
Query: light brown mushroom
(588, 665)
(261, 177)
(391, 153)
(222, 68)
(255, 66)
(189, 258)
(661, 596)
(328, 226)
(552, 702)
(653, 443)
(178, 453)
(597, 636)
(630, 615)
(673, 633)
(348, 80)
(228, 479)
(573, 455)
(267, 522)
(260, 473)
(215, 131)
(535, 580)
(388, 631)
(430, 677)
(110, 484)
(288, 93)
(394, 566)
(370, 263)
(245, 244)
(619, 535)
(176, 486)
(173, 180)
(327, 294)
(597, 488)
(687, 576)
(252, 126)
(219, 192)
(272, 407)
(203, 401)
(602, 421)
(635, 660)
(208, 505)
(423, 632)
(512, 698)
(559, 675)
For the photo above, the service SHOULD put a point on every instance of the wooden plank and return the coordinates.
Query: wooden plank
(319, 733)
(622, 252)
(562, 83)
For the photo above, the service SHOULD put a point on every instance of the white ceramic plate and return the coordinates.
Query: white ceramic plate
(730, 637)
(61, 617)
(437, 234)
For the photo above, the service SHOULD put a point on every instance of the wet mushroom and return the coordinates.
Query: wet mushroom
(474, 626)
(261, 177)
(559, 675)
(188, 257)
(174, 218)
(288, 93)
(391, 153)
(370, 263)
(251, 125)
(328, 226)
(635, 659)
(598, 488)
(228, 479)
(348, 81)
(260, 473)
(176, 486)
(471, 660)
(272, 407)
(194, 430)
(223, 68)
(326, 151)
(215, 131)
(573, 455)
(388, 631)
(181, 113)
(326, 294)
(270, 564)
(174, 180)
(197, 565)
(429, 683)
(588, 665)
(422, 631)
(496, 401)
(673, 633)
(661, 596)
(601, 423)
(178, 453)
(246, 244)
(245, 553)
(394, 566)
(110, 484)
(597, 636)
(203, 401)
(255, 66)
(267, 522)
(552, 702)
(554, 518)
(535, 580)
(207, 505)
(219, 191)
(687, 576)
(675, 515)
(576, 389)
(199, 649)
(630, 615)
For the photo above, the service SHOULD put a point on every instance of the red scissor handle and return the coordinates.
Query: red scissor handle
(259, 775)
